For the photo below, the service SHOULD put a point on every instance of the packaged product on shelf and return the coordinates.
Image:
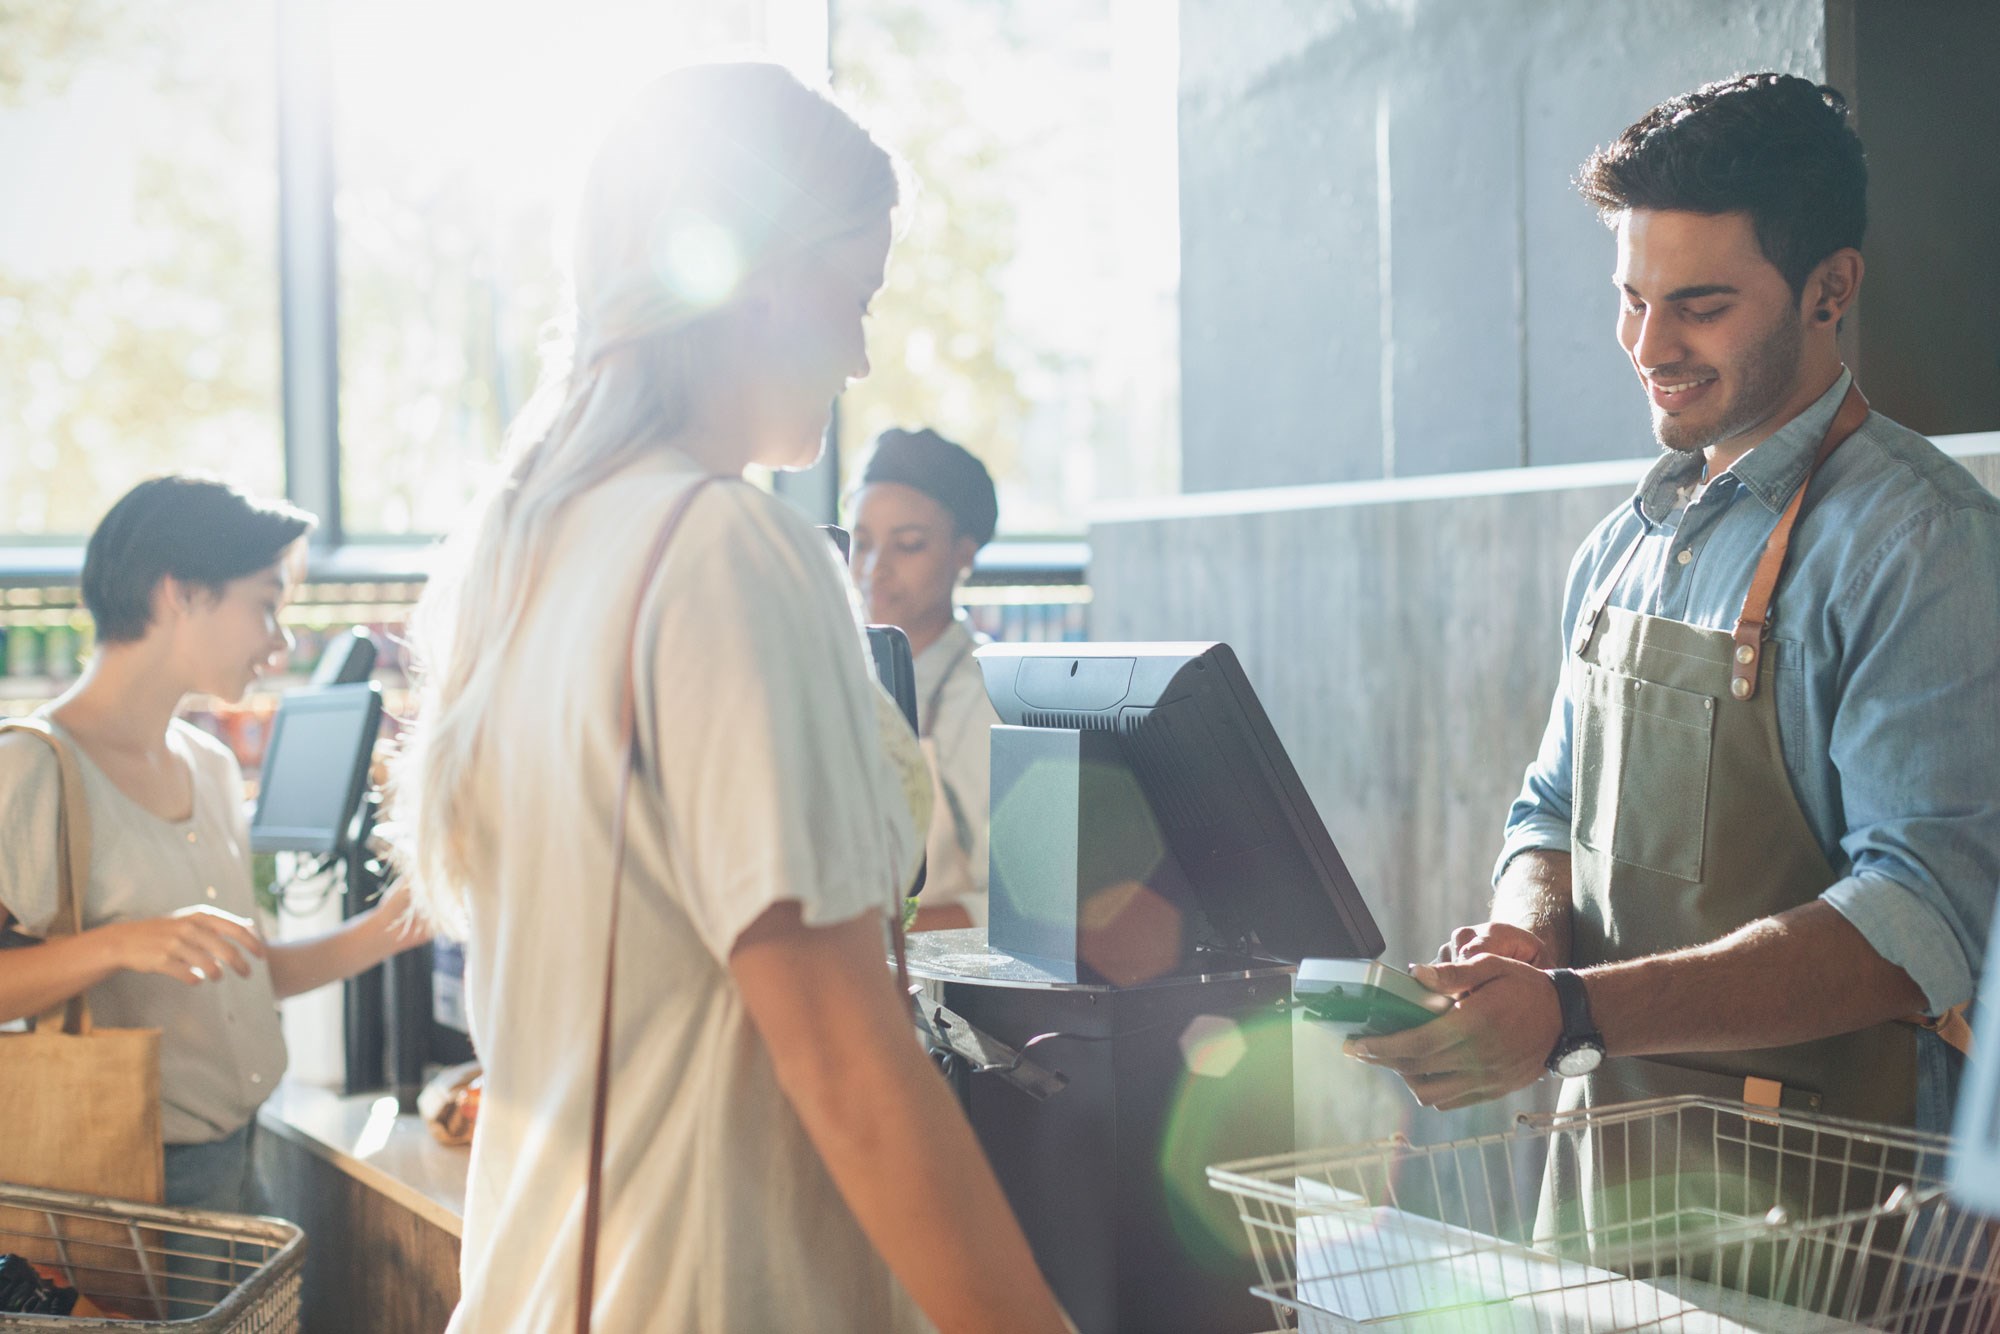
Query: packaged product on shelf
(59, 652)
(24, 651)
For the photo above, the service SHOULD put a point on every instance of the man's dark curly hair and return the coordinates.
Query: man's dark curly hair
(1775, 146)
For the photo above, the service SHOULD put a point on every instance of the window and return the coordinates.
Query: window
(1030, 312)
(138, 272)
(461, 130)
(1031, 306)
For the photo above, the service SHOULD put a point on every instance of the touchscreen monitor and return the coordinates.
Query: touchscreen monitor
(1217, 780)
(315, 768)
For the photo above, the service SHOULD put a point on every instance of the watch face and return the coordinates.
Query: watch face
(1579, 1060)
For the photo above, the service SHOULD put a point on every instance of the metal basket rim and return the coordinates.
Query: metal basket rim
(284, 1240)
(277, 1233)
(1270, 1178)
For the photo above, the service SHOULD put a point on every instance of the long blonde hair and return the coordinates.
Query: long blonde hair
(718, 172)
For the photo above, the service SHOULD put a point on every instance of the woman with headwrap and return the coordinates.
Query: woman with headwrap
(922, 511)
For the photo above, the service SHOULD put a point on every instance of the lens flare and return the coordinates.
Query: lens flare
(1233, 1100)
(1130, 934)
(1212, 1046)
(697, 260)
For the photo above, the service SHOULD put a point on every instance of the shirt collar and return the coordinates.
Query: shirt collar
(1775, 469)
(950, 641)
(1771, 471)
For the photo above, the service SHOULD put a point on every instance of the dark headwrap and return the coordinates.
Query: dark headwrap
(941, 470)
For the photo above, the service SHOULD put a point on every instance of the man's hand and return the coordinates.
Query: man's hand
(1498, 938)
(1494, 1040)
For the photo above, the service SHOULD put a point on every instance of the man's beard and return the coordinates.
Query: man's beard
(1764, 381)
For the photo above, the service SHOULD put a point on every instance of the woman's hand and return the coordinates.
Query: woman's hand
(405, 929)
(193, 945)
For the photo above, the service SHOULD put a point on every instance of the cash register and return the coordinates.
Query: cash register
(1157, 871)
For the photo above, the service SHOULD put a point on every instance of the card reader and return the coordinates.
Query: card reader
(1363, 998)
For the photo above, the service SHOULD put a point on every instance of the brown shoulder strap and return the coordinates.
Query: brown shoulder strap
(628, 747)
(72, 859)
(1749, 634)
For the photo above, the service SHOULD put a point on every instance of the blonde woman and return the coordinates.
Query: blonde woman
(777, 1154)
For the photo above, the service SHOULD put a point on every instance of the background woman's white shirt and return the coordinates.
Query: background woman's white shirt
(763, 779)
(956, 718)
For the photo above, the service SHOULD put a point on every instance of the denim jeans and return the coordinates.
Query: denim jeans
(1940, 1070)
(220, 1176)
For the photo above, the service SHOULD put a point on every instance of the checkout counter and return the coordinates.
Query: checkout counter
(381, 1203)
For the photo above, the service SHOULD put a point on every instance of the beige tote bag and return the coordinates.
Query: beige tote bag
(79, 1105)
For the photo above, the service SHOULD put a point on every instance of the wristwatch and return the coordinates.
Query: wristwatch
(1580, 1047)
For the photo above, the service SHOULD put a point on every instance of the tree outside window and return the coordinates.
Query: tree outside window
(1030, 311)
(138, 270)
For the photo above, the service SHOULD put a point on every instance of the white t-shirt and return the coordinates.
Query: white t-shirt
(222, 1049)
(763, 779)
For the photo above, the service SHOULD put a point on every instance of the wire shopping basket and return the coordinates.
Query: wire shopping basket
(152, 1267)
(1741, 1220)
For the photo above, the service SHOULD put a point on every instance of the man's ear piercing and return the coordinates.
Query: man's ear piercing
(1823, 316)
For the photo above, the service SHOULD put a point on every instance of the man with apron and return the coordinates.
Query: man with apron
(1757, 854)
(922, 511)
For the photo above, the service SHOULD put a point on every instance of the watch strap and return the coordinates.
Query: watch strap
(1574, 998)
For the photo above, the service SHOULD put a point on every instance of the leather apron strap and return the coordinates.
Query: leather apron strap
(1751, 623)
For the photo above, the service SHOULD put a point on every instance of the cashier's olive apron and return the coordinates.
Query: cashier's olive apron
(1685, 827)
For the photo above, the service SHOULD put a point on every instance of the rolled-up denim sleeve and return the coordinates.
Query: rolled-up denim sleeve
(1540, 815)
(1913, 743)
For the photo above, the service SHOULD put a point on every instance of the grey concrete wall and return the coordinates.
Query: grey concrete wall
(1384, 269)
(1402, 637)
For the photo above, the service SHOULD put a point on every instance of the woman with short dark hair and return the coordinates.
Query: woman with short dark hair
(184, 578)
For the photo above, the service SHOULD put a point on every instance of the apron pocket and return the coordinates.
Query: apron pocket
(1642, 759)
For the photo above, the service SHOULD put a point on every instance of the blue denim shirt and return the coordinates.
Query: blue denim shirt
(1886, 648)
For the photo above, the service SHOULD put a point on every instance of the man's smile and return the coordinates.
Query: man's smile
(1679, 393)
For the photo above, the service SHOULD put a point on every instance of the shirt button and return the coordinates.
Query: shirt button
(190, 835)
(1685, 556)
(256, 1079)
(211, 891)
